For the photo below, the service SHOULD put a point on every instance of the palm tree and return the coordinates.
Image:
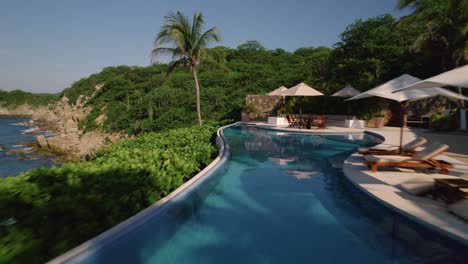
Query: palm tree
(446, 27)
(188, 45)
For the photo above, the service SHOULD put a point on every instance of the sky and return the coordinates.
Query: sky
(47, 45)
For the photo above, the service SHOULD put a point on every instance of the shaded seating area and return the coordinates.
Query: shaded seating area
(309, 122)
(406, 149)
(419, 160)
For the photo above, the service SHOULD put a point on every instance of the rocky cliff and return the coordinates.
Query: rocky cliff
(22, 110)
(70, 142)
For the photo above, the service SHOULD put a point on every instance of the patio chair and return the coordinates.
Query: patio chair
(292, 122)
(407, 149)
(300, 123)
(320, 122)
(419, 160)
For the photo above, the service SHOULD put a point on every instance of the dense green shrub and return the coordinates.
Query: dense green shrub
(45, 212)
(444, 122)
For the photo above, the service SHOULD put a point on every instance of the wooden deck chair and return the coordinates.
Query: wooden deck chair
(292, 123)
(419, 160)
(407, 149)
(321, 122)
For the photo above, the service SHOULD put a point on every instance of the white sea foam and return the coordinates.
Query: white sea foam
(29, 131)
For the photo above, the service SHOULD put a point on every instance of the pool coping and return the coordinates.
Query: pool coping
(417, 209)
(92, 245)
(331, 130)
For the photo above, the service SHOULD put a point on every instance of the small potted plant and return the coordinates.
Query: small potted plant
(379, 120)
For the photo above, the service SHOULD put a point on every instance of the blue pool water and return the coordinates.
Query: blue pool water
(12, 138)
(280, 198)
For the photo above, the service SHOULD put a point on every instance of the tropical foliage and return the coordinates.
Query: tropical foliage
(445, 29)
(190, 44)
(45, 212)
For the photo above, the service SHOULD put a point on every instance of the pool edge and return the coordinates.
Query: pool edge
(347, 172)
(92, 245)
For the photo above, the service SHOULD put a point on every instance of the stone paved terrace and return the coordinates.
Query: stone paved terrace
(384, 185)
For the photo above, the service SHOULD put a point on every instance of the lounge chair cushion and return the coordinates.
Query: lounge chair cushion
(378, 148)
(417, 186)
(385, 158)
(460, 209)
(414, 144)
(431, 151)
(410, 146)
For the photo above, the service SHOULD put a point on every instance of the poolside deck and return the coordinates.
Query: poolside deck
(383, 185)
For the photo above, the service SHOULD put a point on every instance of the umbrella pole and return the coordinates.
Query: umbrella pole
(403, 125)
(401, 139)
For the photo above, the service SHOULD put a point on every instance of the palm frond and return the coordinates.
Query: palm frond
(210, 35)
(160, 51)
(405, 3)
(187, 39)
(197, 25)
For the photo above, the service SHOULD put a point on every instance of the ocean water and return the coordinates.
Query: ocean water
(12, 139)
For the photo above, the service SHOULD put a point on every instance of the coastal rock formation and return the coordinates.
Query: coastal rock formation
(63, 118)
(42, 142)
(70, 141)
(22, 110)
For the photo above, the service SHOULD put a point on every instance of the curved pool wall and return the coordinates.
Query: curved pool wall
(195, 188)
(249, 210)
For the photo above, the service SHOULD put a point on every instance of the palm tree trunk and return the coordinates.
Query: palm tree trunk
(197, 90)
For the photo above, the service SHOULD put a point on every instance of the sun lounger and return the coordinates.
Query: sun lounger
(417, 186)
(419, 160)
(407, 148)
(460, 209)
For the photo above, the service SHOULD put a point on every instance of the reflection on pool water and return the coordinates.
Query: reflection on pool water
(280, 198)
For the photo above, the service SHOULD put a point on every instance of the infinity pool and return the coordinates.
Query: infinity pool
(280, 198)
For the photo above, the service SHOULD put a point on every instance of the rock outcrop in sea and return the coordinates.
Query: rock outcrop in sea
(62, 118)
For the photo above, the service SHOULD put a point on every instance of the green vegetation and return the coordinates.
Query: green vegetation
(191, 45)
(445, 123)
(16, 98)
(46, 212)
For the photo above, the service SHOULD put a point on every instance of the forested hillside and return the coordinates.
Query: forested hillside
(140, 99)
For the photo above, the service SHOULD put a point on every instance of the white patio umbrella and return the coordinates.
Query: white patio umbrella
(278, 91)
(386, 91)
(346, 92)
(301, 89)
(457, 77)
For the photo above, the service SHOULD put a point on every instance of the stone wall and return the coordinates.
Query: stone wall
(260, 107)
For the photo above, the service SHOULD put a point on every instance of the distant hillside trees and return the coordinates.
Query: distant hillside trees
(17, 97)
